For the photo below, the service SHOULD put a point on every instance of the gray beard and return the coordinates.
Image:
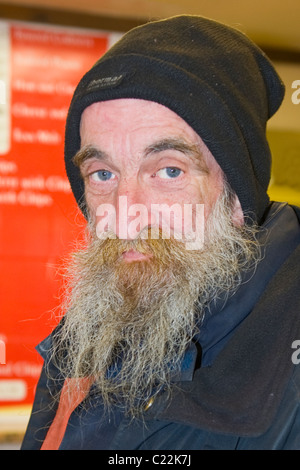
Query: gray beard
(128, 325)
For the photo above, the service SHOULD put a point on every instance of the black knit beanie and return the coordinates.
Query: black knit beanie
(212, 76)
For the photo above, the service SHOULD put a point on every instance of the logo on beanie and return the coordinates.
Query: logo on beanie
(105, 82)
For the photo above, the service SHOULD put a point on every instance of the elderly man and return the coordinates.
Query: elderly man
(183, 307)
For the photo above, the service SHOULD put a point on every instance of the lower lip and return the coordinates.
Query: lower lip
(131, 255)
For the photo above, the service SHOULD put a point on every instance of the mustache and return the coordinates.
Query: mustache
(108, 249)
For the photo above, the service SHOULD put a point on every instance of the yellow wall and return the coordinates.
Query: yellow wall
(284, 139)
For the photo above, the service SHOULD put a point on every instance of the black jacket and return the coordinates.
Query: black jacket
(246, 392)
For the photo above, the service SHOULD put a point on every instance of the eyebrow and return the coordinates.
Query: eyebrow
(87, 152)
(172, 144)
(178, 144)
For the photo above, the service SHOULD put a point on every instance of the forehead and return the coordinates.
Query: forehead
(130, 116)
(130, 126)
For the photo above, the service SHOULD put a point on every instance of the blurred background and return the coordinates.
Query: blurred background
(45, 47)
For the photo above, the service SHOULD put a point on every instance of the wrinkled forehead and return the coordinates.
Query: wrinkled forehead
(129, 114)
(141, 125)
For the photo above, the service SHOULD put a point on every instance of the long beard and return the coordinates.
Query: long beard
(127, 325)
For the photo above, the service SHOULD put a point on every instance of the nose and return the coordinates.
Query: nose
(133, 213)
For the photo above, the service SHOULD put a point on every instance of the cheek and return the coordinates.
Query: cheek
(199, 193)
(179, 213)
(211, 191)
(93, 202)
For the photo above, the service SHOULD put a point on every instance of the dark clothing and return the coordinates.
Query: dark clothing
(239, 387)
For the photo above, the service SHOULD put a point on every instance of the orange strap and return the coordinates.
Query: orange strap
(72, 394)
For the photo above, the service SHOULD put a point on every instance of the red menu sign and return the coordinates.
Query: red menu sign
(39, 220)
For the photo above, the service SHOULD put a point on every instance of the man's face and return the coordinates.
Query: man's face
(146, 153)
(135, 304)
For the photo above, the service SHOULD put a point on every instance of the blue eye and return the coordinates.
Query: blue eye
(102, 175)
(169, 172)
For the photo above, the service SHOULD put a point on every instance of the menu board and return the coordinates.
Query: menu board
(39, 220)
